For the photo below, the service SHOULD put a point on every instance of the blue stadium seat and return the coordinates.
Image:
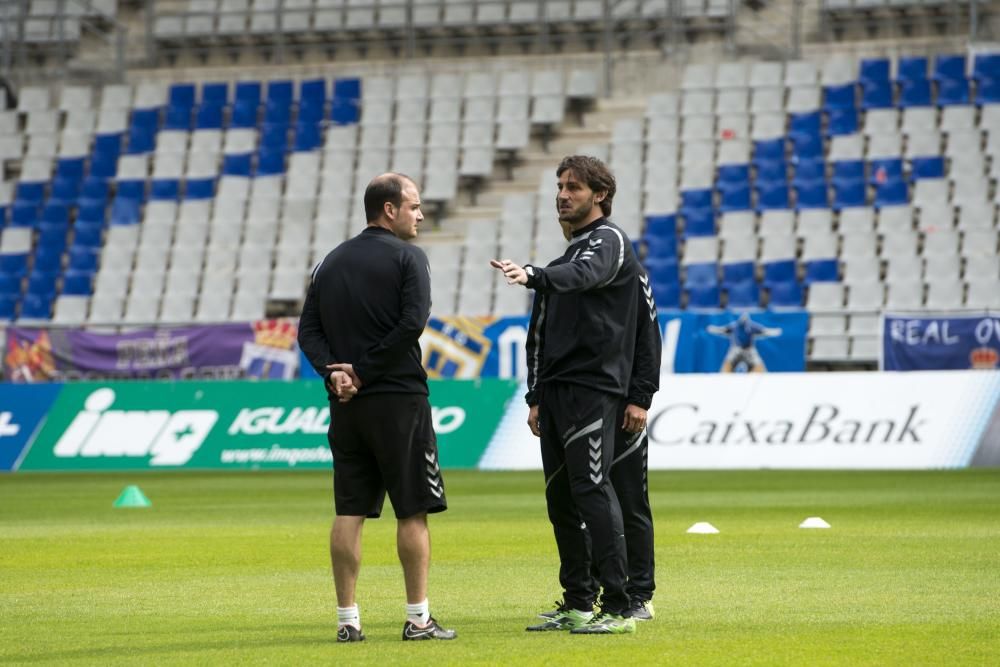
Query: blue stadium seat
(703, 296)
(347, 89)
(769, 150)
(839, 97)
(165, 189)
(277, 112)
(25, 213)
(814, 194)
(663, 269)
(178, 118)
(280, 90)
(822, 270)
(199, 188)
(807, 147)
(108, 144)
(3, 215)
(735, 197)
(92, 210)
(732, 174)
(661, 225)
(743, 295)
(270, 162)
(70, 168)
(949, 67)
(660, 247)
(50, 258)
(215, 93)
(848, 193)
(842, 121)
(874, 69)
(737, 272)
(344, 112)
(36, 307)
(311, 113)
(772, 196)
(308, 136)
(248, 92)
(915, 93)
(14, 264)
(809, 124)
(209, 117)
(274, 136)
(145, 118)
(779, 271)
(126, 211)
(78, 283)
(8, 307)
(181, 95)
(64, 191)
(775, 171)
(696, 198)
(103, 166)
(42, 283)
(131, 189)
(911, 68)
(94, 189)
(807, 171)
(55, 213)
(244, 115)
(892, 193)
(988, 91)
(699, 221)
(927, 167)
(785, 294)
(667, 295)
(9, 285)
(952, 92)
(237, 165)
(30, 191)
(877, 95)
(884, 170)
(88, 234)
(986, 66)
(312, 91)
(141, 139)
(83, 258)
(706, 273)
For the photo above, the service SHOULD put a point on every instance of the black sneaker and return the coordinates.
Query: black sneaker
(642, 610)
(412, 631)
(349, 633)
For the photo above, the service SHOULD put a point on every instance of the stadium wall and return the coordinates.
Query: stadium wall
(919, 420)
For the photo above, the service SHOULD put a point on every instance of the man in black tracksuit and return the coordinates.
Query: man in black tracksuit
(365, 310)
(581, 344)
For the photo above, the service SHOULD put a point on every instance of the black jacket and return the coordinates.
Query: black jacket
(367, 305)
(648, 348)
(583, 321)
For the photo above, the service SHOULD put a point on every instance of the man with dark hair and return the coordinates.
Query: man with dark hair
(365, 310)
(581, 345)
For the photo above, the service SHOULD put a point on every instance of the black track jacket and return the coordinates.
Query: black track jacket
(367, 305)
(583, 321)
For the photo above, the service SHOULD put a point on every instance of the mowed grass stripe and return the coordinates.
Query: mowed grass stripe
(233, 568)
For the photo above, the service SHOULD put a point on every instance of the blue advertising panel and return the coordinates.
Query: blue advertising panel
(22, 408)
(914, 343)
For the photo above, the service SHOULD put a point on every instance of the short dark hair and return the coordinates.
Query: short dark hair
(594, 173)
(385, 188)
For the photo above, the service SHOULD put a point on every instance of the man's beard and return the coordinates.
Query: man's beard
(575, 215)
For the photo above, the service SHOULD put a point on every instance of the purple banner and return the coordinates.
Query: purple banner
(265, 349)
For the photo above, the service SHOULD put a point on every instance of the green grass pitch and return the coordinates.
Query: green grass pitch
(233, 569)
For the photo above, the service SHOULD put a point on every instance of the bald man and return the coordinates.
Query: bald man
(366, 307)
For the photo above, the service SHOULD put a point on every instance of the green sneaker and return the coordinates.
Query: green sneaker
(606, 624)
(567, 619)
(642, 610)
(561, 606)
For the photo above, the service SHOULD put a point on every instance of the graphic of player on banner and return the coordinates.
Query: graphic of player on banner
(743, 356)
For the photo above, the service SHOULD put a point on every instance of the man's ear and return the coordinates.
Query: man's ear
(387, 209)
(599, 196)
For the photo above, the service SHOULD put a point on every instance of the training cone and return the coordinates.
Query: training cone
(703, 528)
(814, 522)
(132, 496)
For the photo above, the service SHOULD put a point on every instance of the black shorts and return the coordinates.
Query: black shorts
(385, 442)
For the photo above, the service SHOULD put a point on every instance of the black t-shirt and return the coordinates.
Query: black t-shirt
(367, 305)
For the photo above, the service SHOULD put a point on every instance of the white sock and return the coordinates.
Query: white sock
(418, 613)
(349, 616)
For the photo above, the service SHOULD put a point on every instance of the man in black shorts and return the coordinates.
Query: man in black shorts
(581, 344)
(365, 310)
